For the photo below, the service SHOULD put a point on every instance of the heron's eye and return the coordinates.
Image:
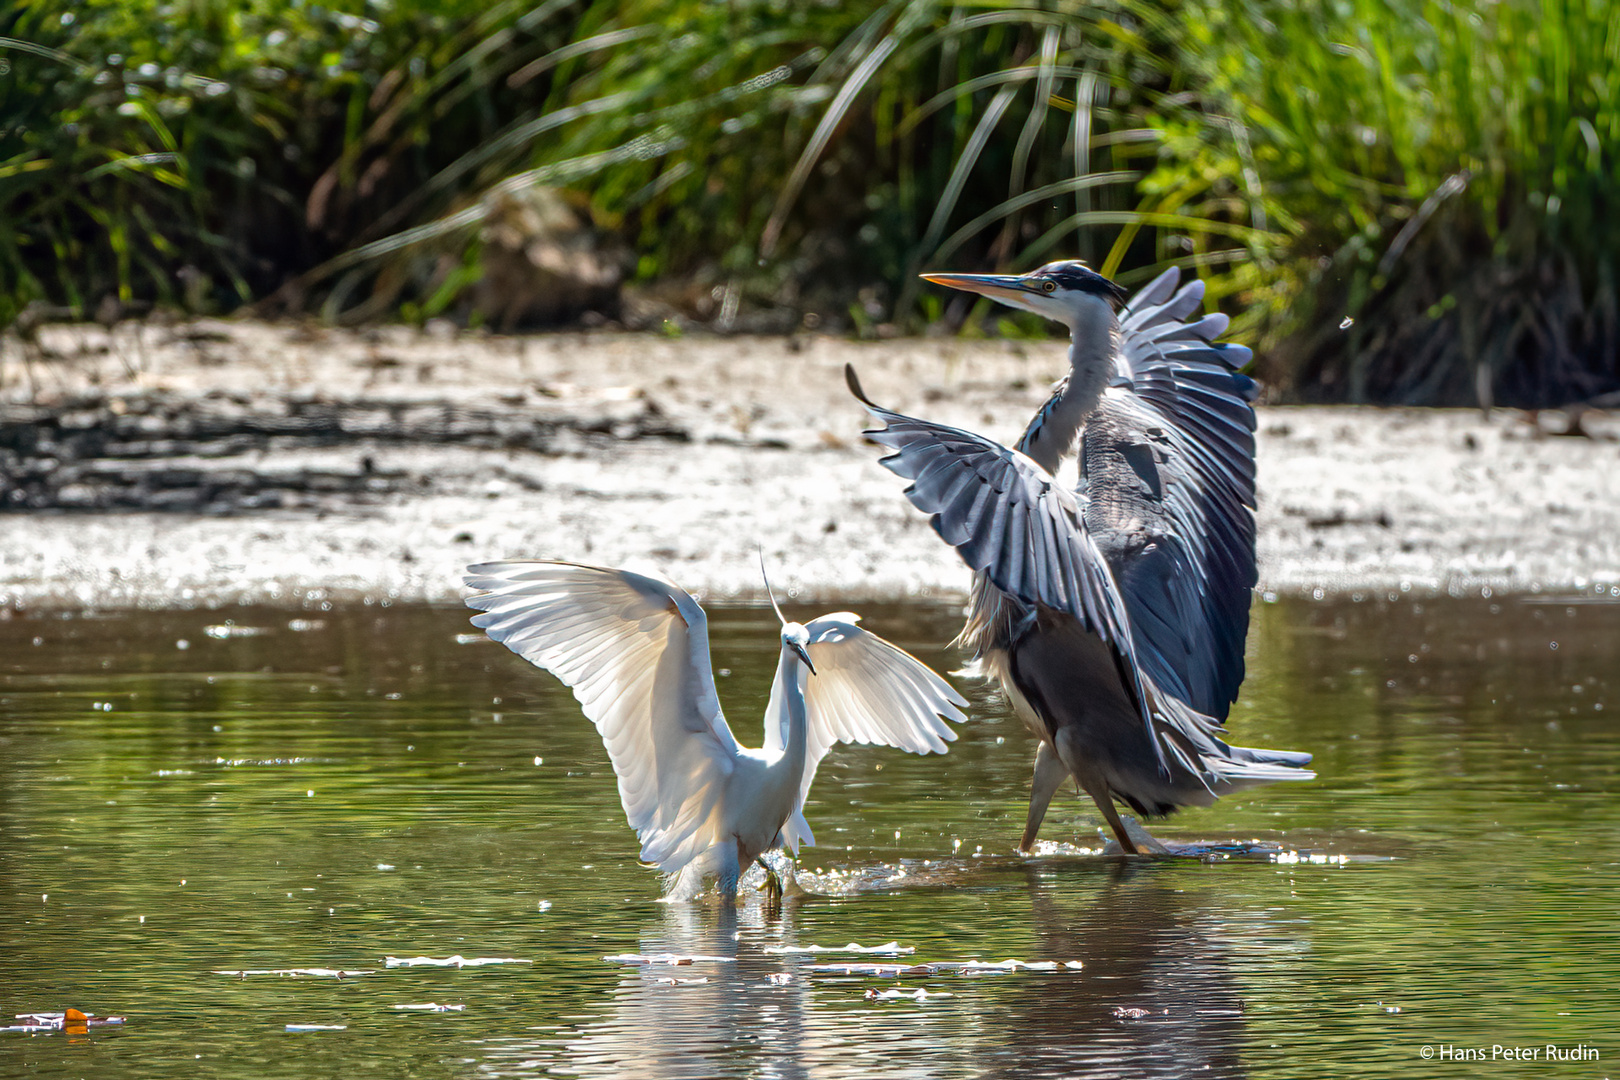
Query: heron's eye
(1049, 286)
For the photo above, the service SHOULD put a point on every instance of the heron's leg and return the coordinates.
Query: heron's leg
(1050, 772)
(1111, 815)
(773, 884)
(1105, 802)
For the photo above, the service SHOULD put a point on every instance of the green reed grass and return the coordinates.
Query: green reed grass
(196, 152)
(785, 152)
(811, 146)
(1446, 175)
(1438, 174)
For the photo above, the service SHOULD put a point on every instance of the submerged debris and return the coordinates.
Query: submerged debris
(457, 961)
(317, 1027)
(432, 1006)
(71, 1020)
(893, 948)
(668, 959)
(898, 994)
(948, 967)
(293, 973)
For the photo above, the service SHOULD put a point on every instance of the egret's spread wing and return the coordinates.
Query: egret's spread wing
(864, 690)
(635, 650)
(1009, 519)
(1167, 466)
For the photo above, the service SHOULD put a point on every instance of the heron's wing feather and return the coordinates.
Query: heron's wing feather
(1167, 464)
(1009, 519)
(635, 650)
(866, 690)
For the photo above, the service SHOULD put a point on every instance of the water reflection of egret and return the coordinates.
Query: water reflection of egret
(702, 1019)
(635, 650)
(1157, 995)
(744, 1010)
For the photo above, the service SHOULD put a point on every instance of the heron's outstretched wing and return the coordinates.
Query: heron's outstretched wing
(865, 690)
(635, 650)
(1008, 518)
(1167, 467)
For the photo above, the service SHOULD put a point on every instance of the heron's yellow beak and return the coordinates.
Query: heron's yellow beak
(996, 286)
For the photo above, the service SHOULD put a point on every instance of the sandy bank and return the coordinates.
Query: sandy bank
(212, 462)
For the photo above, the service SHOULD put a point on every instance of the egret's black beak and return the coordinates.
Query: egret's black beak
(803, 655)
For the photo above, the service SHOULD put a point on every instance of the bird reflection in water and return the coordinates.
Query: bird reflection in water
(1158, 997)
(746, 1012)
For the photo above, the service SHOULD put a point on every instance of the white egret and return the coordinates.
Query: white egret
(635, 650)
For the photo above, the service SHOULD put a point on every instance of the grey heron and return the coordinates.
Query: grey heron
(635, 650)
(1113, 616)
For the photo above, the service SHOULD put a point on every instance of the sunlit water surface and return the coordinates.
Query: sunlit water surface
(186, 797)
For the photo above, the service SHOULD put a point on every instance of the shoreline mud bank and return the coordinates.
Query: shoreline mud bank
(223, 461)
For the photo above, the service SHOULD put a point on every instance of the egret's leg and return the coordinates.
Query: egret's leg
(728, 869)
(1050, 772)
(773, 884)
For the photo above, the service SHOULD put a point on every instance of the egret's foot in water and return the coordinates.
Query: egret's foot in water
(773, 885)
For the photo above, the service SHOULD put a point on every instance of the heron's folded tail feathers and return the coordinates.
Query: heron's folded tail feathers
(1237, 767)
(1195, 748)
(1260, 756)
(1249, 773)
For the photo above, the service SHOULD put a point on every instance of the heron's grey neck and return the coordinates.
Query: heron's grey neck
(1091, 364)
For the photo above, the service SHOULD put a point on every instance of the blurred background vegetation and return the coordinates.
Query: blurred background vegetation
(1399, 201)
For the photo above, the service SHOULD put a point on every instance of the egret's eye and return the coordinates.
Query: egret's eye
(1049, 286)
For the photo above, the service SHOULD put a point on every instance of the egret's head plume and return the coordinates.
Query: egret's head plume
(767, 578)
(794, 635)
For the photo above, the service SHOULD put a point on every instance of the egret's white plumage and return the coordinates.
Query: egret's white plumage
(635, 650)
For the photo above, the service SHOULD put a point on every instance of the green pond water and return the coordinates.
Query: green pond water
(189, 798)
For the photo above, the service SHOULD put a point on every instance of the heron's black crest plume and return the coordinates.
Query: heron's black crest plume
(1076, 275)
